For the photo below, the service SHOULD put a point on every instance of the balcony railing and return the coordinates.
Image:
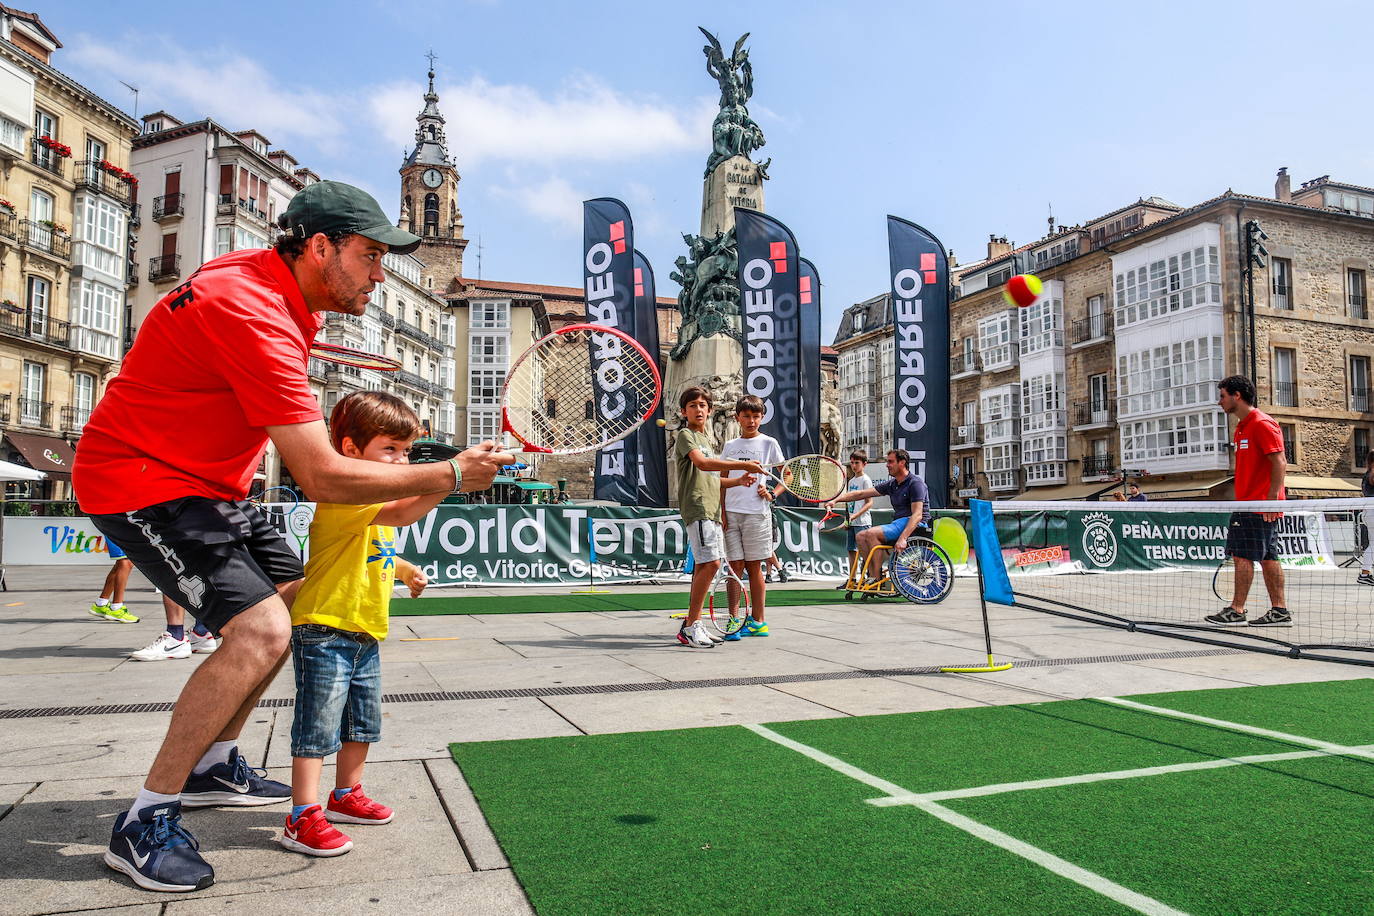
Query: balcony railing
(9, 226)
(1285, 394)
(1092, 414)
(5, 407)
(228, 203)
(1094, 327)
(965, 434)
(34, 413)
(961, 364)
(21, 323)
(1359, 399)
(1359, 305)
(90, 176)
(411, 380)
(1290, 451)
(406, 329)
(39, 236)
(164, 267)
(1044, 260)
(1099, 465)
(168, 206)
(317, 369)
(131, 273)
(45, 158)
(135, 216)
(1283, 297)
(74, 419)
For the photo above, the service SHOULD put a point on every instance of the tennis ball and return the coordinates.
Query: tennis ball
(661, 422)
(1022, 290)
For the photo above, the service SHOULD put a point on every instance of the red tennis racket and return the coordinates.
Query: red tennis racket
(579, 389)
(834, 521)
(347, 356)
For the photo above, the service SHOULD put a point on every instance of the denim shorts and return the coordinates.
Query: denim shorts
(338, 689)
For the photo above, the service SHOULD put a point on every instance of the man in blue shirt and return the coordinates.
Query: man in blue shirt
(909, 497)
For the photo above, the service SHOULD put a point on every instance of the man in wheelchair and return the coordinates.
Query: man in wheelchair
(909, 497)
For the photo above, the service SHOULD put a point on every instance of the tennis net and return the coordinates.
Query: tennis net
(1170, 568)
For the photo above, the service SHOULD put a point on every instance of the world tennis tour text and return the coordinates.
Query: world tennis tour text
(911, 364)
(770, 337)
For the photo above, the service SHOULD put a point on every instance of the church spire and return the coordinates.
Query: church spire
(431, 148)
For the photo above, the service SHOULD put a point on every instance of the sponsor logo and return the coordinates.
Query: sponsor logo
(237, 787)
(770, 336)
(1099, 541)
(907, 307)
(603, 310)
(139, 860)
(1044, 555)
(53, 457)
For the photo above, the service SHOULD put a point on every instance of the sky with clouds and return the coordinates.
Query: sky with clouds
(970, 119)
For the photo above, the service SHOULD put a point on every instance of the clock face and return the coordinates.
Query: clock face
(432, 178)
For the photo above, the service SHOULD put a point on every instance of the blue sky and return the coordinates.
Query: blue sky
(970, 119)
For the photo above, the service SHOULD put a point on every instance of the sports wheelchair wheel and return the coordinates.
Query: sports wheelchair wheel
(923, 572)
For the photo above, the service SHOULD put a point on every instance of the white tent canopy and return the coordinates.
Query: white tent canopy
(10, 471)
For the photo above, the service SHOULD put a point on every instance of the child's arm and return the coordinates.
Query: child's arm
(411, 575)
(861, 510)
(703, 463)
(401, 512)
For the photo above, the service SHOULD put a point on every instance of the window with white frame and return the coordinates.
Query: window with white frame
(1044, 447)
(1168, 285)
(483, 425)
(1175, 375)
(1042, 325)
(484, 386)
(1000, 464)
(83, 395)
(1285, 377)
(1198, 433)
(999, 409)
(492, 315)
(96, 328)
(488, 350)
(997, 336)
(33, 386)
(886, 365)
(1045, 472)
(1359, 384)
(1281, 283)
(12, 134)
(1042, 402)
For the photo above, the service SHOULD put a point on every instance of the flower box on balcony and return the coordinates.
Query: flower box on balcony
(60, 149)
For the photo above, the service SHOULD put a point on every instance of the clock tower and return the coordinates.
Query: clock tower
(429, 196)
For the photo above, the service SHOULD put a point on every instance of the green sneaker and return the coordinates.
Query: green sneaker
(117, 614)
(753, 627)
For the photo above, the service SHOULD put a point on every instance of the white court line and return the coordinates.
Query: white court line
(1327, 746)
(999, 788)
(1091, 880)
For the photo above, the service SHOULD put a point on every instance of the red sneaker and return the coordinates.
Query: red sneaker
(356, 808)
(313, 835)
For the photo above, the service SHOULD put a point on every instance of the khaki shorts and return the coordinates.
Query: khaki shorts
(704, 537)
(748, 536)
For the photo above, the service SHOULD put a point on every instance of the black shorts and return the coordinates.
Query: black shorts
(214, 558)
(1250, 537)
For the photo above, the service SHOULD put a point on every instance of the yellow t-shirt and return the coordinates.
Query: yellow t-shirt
(351, 571)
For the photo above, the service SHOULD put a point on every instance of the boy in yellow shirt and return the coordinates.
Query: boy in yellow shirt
(337, 622)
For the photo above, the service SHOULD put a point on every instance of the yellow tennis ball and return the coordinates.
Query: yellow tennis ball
(1022, 290)
(661, 422)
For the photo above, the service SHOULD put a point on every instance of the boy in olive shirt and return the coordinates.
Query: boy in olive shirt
(698, 496)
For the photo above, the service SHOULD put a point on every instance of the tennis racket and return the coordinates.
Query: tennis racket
(726, 579)
(834, 521)
(811, 478)
(1224, 581)
(347, 356)
(579, 389)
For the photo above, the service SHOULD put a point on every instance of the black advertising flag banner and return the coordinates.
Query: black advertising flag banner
(920, 318)
(770, 302)
(809, 296)
(652, 444)
(608, 283)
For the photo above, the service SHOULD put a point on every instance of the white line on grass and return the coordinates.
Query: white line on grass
(1046, 860)
(1327, 746)
(999, 788)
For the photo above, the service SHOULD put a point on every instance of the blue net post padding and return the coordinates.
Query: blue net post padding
(988, 550)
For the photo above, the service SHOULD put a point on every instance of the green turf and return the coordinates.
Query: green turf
(563, 604)
(721, 820)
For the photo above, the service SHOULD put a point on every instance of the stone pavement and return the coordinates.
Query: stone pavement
(63, 778)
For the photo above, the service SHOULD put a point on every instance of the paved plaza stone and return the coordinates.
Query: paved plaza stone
(64, 777)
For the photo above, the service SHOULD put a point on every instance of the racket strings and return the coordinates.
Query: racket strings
(812, 477)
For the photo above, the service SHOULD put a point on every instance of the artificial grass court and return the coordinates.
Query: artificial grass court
(729, 820)
(563, 604)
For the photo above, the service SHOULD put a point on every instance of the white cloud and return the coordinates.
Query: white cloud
(553, 200)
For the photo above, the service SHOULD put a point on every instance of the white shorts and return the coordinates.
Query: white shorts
(704, 537)
(748, 536)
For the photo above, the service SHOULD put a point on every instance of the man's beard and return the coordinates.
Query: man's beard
(343, 293)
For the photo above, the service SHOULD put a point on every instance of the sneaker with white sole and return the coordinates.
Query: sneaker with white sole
(116, 613)
(312, 835)
(1274, 617)
(202, 645)
(164, 647)
(1364, 578)
(1227, 617)
(695, 636)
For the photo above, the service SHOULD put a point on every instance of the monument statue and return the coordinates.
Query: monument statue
(733, 133)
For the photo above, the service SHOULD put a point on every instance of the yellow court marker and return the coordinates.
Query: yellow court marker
(14, 604)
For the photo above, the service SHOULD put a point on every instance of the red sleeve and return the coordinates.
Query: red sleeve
(263, 357)
(1269, 438)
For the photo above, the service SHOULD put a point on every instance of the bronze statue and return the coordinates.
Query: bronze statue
(733, 133)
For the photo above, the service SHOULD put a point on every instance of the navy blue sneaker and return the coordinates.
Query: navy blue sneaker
(233, 784)
(157, 852)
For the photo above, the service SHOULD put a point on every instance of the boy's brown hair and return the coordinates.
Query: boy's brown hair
(859, 455)
(364, 415)
(749, 402)
(691, 394)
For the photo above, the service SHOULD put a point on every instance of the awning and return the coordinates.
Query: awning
(10, 471)
(1071, 491)
(533, 485)
(1342, 485)
(45, 453)
(1182, 489)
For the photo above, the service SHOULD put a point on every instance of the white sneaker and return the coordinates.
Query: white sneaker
(162, 648)
(710, 633)
(695, 636)
(202, 645)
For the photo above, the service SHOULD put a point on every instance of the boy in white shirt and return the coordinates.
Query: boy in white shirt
(748, 521)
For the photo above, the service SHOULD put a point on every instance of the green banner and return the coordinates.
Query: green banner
(1075, 540)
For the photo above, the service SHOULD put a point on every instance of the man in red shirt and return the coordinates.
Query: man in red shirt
(1253, 536)
(218, 369)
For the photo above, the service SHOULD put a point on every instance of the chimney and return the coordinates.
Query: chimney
(1283, 187)
(998, 247)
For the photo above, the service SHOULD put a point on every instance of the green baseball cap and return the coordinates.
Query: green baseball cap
(332, 206)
